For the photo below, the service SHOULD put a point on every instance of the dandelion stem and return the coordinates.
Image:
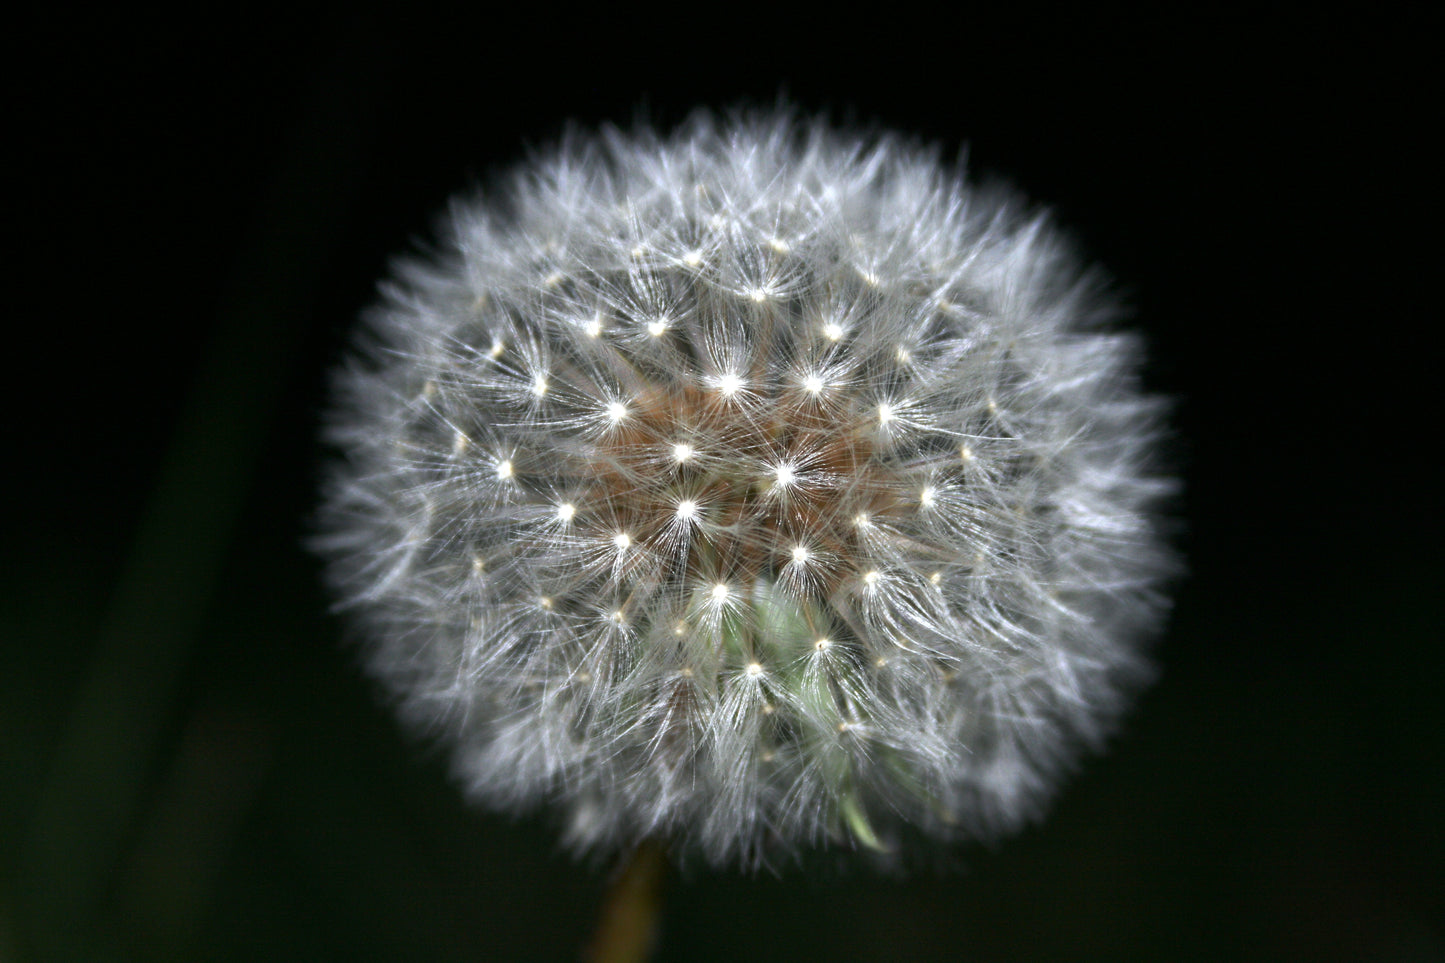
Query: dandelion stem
(627, 926)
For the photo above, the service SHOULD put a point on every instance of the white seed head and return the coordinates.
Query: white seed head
(929, 487)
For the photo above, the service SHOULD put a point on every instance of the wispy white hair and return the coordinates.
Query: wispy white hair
(754, 487)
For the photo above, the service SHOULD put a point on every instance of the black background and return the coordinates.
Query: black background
(195, 768)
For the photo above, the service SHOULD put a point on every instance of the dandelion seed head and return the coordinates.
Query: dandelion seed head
(760, 393)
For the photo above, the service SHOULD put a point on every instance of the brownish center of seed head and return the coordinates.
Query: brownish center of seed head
(778, 479)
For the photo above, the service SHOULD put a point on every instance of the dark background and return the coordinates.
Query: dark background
(195, 768)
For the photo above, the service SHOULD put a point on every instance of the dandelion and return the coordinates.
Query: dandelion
(754, 488)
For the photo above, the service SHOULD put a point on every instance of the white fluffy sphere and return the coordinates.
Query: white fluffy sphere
(755, 487)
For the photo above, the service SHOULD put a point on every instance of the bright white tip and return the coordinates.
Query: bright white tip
(759, 294)
(681, 453)
(616, 412)
(801, 554)
(687, 510)
(566, 511)
(871, 578)
(813, 384)
(692, 258)
(903, 355)
(779, 245)
(657, 328)
(832, 330)
(497, 348)
(823, 644)
(539, 386)
(754, 670)
(621, 541)
(504, 470)
(460, 442)
(729, 384)
(720, 592)
(785, 475)
(965, 453)
(594, 327)
(885, 413)
(861, 520)
(927, 497)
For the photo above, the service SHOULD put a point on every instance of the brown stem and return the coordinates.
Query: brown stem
(627, 926)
